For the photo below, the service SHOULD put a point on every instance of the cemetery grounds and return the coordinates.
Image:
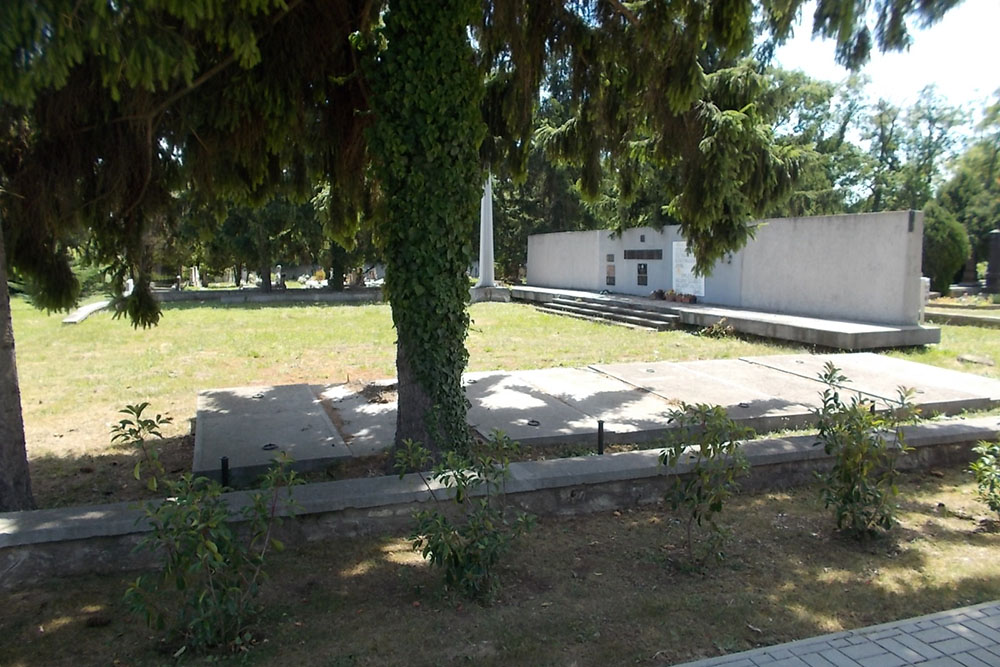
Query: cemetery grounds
(613, 587)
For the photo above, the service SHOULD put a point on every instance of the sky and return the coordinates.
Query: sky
(959, 54)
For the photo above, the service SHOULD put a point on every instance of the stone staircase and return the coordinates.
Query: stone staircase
(621, 313)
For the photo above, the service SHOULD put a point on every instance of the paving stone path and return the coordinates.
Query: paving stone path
(966, 637)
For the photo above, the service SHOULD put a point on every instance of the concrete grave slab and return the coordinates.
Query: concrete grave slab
(879, 377)
(509, 402)
(751, 405)
(367, 427)
(790, 401)
(624, 408)
(252, 425)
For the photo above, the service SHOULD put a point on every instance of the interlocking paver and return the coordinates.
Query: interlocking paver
(894, 646)
(968, 637)
(987, 656)
(968, 660)
(839, 659)
(911, 642)
(816, 660)
(932, 635)
(979, 635)
(943, 661)
(865, 650)
(882, 660)
(791, 661)
(992, 621)
(955, 645)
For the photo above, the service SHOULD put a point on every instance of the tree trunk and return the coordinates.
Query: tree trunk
(432, 179)
(15, 480)
(237, 274)
(413, 405)
(265, 278)
(338, 266)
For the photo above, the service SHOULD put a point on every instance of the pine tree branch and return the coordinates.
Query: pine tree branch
(625, 11)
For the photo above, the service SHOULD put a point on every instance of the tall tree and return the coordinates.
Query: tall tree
(128, 102)
(884, 137)
(928, 142)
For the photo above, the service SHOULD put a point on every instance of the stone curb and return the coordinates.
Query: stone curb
(365, 505)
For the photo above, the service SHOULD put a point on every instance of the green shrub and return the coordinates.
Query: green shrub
(203, 593)
(865, 445)
(469, 546)
(946, 247)
(987, 472)
(710, 441)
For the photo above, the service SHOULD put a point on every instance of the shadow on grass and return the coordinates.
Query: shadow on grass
(590, 590)
(63, 481)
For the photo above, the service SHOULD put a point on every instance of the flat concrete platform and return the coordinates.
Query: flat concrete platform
(563, 405)
(252, 425)
(83, 312)
(835, 334)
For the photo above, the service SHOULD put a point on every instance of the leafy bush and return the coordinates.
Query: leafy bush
(203, 594)
(987, 472)
(133, 431)
(710, 441)
(470, 546)
(865, 445)
(946, 246)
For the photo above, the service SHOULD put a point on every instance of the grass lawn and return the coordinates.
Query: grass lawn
(75, 378)
(602, 589)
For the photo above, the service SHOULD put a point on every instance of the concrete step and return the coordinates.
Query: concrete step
(618, 314)
(625, 308)
(592, 318)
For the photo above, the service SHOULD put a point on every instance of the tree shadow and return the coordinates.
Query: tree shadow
(64, 481)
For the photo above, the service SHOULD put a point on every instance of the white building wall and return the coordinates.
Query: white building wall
(855, 267)
(566, 259)
(859, 267)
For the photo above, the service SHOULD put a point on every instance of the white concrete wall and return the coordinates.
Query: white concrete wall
(566, 259)
(855, 267)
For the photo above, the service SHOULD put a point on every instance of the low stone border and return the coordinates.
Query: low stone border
(42, 544)
(354, 295)
(963, 318)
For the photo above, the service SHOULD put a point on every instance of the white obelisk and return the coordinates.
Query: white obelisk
(486, 237)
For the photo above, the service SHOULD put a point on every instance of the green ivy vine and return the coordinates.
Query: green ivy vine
(426, 90)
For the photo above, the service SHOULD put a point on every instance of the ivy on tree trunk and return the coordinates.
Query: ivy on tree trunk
(425, 137)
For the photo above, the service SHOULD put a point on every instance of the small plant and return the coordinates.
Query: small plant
(133, 431)
(865, 445)
(718, 329)
(710, 441)
(470, 546)
(203, 594)
(986, 470)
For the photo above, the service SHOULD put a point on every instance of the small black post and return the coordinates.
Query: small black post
(225, 470)
(600, 437)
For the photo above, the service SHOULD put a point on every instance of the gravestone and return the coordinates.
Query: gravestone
(993, 268)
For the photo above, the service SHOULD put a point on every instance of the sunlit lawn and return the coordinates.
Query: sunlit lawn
(74, 378)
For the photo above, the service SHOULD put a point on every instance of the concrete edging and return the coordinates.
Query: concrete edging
(97, 539)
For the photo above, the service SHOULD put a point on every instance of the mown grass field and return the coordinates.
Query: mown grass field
(75, 378)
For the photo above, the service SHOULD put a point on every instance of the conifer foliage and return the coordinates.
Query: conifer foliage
(107, 109)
